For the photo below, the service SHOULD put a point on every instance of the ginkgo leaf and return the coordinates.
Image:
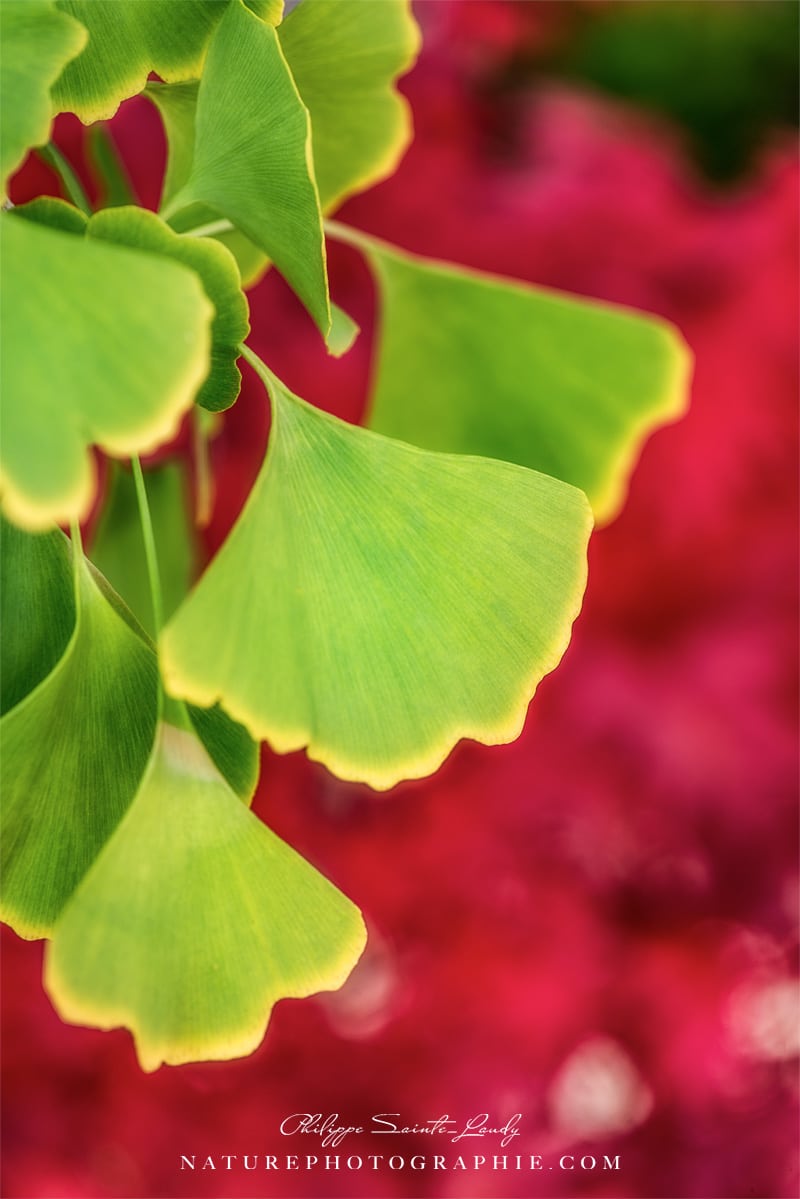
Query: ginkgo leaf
(118, 551)
(476, 364)
(74, 752)
(130, 38)
(138, 229)
(37, 44)
(216, 267)
(195, 920)
(345, 57)
(127, 337)
(252, 155)
(376, 602)
(37, 608)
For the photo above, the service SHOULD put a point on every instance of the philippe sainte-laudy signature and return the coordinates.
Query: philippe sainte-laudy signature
(332, 1130)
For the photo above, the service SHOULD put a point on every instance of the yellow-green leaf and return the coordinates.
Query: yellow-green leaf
(195, 920)
(130, 38)
(128, 345)
(252, 155)
(37, 42)
(376, 602)
(345, 56)
(476, 364)
(74, 751)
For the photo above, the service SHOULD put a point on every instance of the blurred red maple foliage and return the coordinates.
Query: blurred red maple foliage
(595, 926)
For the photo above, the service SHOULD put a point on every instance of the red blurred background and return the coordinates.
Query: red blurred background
(596, 926)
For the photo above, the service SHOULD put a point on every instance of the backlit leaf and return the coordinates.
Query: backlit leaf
(476, 364)
(127, 337)
(37, 43)
(141, 230)
(130, 38)
(37, 608)
(376, 602)
(345, 57)
(252, 155)
(195, 920)
(74, 751)
(118, 551)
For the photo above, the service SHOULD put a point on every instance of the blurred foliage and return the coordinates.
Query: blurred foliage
(727, 70)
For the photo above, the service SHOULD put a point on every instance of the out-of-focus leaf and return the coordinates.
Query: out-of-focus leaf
(130, 38)
(141, 230)
(407, 599)
(37, 43)
(345, 57)
(37, 608)
(118, 551)
(195, 920)
(74, 752)
(127, 337)
(252, 155)
(475, 364)
(118, 548)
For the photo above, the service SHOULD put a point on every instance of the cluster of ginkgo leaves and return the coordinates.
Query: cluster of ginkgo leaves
(385, 591)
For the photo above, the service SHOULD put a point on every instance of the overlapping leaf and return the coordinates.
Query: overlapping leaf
(251, 160)
(195, 920)
(128, 340)
(37, 42)
(475, 364)
(217, 270)
(376, 602)
(118, 551)
(37, 608)
(74, 750)
(345, 57)
(130, 38)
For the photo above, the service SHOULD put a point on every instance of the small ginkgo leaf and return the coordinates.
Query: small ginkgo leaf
(37, 42)
(195, 920)
(252, 155)
(127, 337)
(74, 752)
(141, 230)
(376, 602)
(345, 57)
(130, 38)
(37, 608)
(475, 364)
(118, 551)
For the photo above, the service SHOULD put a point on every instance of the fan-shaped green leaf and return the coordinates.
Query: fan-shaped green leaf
(252, 154)
(127, 337)
(376, 602)
(345, 57)
(130, 38)
(141, 230)
(37, 43)
(195, 920)
(476, 364)
(74, 751)
(37, 608)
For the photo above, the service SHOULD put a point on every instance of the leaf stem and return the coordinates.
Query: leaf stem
(153, 577)
(210, 229)
(72, 184)
(262, 370)
(77, 560)
(349, 235)
(108, 164)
